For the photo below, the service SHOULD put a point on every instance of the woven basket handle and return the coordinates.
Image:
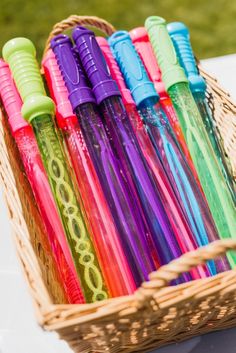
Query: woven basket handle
(74, 20)
(186, 262)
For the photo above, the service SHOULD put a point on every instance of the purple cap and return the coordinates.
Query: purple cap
(94, 64)
(75, 80)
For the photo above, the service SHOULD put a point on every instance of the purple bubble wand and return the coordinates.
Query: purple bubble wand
(117, 189)
(124, 142)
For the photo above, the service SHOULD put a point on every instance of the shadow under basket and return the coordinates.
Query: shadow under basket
(157, 314)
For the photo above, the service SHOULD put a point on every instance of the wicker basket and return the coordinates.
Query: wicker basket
(157, 314)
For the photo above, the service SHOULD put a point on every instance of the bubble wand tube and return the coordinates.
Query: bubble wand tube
(143, 46)
(106, 240)
(38, 109)
(125, 143)
(209, 172)
(180, 36)
(179, 225)
(29, 152)
(122, 201)
(163, 139)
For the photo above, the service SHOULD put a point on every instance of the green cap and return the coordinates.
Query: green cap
(164, 50)
(20, 54)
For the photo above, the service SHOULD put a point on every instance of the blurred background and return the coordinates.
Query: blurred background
(212, 22)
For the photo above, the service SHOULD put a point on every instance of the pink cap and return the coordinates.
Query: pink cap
(57, 89)
(115, 71)
(143, 46)
(11, 98)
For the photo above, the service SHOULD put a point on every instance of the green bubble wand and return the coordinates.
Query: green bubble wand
(206, 164)
(38, 110)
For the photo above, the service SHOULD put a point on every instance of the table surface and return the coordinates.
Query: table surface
(19, 331)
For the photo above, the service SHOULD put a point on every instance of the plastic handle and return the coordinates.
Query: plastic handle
(11, 99)
(143, 46)
(180, 36)
(115, 71)
(132, 67)
(164, 50)
(20, 55)
(57, 88)
(94, 64)
(75, 80)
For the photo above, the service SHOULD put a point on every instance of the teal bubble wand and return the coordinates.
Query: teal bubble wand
(163, 139)
(180, 36)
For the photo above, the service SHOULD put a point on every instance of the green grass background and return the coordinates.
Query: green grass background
(212, 22)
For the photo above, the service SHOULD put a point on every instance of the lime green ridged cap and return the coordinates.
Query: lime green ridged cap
(20, 54)
(164, 50)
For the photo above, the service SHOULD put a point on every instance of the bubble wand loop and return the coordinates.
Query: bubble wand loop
(112, 176)
(105, 237)
(125, 143)
(209, 172)
(180, 36)
(161, 135)
(29, 152)
(38, 109)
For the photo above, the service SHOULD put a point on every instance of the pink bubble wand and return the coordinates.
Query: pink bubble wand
(105, 237)
(29, 152)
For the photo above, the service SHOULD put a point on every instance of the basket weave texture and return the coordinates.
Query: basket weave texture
(157, 314)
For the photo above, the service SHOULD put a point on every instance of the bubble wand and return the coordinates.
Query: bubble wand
(38, 110)
(125, 143)
(29, 152)
(114, 181)
(143, 46)
(176, 216)
(163, 139)
(180, 36)
(106, 239)
(209, 172)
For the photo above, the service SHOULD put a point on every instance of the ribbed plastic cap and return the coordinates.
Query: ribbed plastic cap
(75, 80)
(180, 36)
(164, 50)
(132, 68)
(94, 64)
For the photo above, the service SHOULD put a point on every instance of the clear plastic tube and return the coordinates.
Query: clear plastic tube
(186, 240)
(181, 178)
(36, 175)
(124, 141)
(210, 175)
(119, 194)
(214, 138)
(33, 166)
(105, 237)
(72, 216)
(106, 240)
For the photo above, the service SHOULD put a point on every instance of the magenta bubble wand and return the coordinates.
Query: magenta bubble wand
(37, 177)
(105, 237)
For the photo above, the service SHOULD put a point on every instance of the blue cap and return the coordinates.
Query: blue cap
(132, 68)
(179, 34)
